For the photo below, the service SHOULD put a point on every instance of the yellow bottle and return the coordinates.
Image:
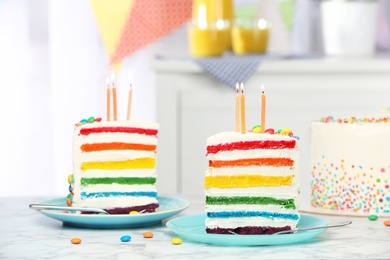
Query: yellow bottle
(209, 32)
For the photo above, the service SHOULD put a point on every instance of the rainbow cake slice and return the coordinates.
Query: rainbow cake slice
(252, 184)
(114, 166)
(350, 164)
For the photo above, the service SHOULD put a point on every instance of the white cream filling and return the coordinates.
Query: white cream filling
(261, 170)
(256, 153)
(114, 155)
(243, 222)
(231, 137)
(118, 173)
(274, 192)
(113, 202)
(242, 207)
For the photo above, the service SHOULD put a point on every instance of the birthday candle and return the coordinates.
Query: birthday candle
(263, 104)
(108, 99)
(237, 108)
(114, 96)
(129, 101)
(242, 102)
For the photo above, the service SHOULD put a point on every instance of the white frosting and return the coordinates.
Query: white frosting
(268, 208)
(261, 170)
(231, 137)
(114, 202)
(255, 222)
(114, 155)
(119, 173)
(274, 192)
(117, 188)
(351, 165)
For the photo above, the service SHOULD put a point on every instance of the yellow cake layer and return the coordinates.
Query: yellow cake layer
(142, 163)
(247, 181)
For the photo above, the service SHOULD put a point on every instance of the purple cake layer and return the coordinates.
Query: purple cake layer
(247, 230)
(150, 208)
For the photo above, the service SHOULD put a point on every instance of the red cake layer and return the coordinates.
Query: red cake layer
(118, 129)
(250, 145)
(247, 230)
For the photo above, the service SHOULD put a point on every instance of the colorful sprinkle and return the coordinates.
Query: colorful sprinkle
(372, 217)
(75, 240)
(70, 179)
(133, 212)
(176, 241)
(354, 120)
(125, 238)
(148, 234)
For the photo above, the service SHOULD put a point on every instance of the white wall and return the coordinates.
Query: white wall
(53, 72)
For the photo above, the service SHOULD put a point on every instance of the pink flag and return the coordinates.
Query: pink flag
(150, 20)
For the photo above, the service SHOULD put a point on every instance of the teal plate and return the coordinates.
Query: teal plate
(192, 228)
(168, 208)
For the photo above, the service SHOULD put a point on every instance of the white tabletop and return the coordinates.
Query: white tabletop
(27, 234)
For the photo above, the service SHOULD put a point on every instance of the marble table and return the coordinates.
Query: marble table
(27, 234)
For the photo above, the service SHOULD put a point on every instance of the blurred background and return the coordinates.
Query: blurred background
(55, 57)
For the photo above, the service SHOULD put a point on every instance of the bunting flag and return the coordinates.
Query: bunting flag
(126, 26)
(111, 18)
(149, 21)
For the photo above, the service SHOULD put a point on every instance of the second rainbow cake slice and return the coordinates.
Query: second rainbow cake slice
(252, 184)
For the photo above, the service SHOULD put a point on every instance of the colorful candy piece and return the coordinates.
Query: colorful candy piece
(70, 178)
(90, 119)
(270, 131)
(372, 217)
(68, 202)
(99, 119)
(256, 129)
(126, 238)
(133, 212)
(176, 241)
(387, 223)
(75, 240)
(148, 234)
(83, 121)
(286, 131)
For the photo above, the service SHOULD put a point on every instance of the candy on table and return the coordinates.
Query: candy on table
(372, 217)
(75, 240)
(176, 241)
(148, 234)
(126, 238)
(387, 223)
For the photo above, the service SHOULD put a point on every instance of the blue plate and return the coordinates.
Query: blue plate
(192, 228)
(168, 207)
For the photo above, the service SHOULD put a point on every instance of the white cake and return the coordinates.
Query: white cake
(350, 160)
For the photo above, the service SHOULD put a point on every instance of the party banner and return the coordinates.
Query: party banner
(126, 26)
(111, 18)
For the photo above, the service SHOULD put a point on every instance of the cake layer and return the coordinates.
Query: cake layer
(120, 173)
(119, 180)
(117, 129)
(251, 207)
(247, 230)
(246, 181)
(105, 156)
(272, 162)
(254, 222)
(115, 138)
(96, 195)
(116, 202)
(234, 137)
(141, 163)
(248, 154)
(250, 145)
(96, 147)
(116, 188)
(253, 170)
(275, 192)
(247, 202)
